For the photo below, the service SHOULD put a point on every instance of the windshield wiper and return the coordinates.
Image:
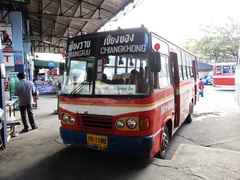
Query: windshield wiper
(75, 90)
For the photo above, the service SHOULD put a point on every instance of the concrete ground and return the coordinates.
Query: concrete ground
(39, 154)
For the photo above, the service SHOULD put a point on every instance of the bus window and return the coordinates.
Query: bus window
(133, 64)
(180, 64)
(190, 66)
(164, 79)
(184, 65)
(226, 69)
(79, 72)
(218, 70)
(121, 65)
(109, 68)
(233, 69)
(119, 74)
(187, 65)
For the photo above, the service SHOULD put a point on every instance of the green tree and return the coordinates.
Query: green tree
(219, 42)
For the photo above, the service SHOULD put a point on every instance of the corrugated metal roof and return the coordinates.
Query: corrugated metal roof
(53, 21)
(204, 66)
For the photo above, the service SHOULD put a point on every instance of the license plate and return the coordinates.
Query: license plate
(97, 140)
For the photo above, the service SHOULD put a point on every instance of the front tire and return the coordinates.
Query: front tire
(165, 141)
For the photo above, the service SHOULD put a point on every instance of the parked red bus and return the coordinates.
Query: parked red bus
(224, 74)
(126, 91)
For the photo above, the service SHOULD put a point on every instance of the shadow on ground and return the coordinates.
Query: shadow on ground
(80, 163)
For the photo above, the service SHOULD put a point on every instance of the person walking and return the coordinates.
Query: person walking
(24, 90)
(201, 87)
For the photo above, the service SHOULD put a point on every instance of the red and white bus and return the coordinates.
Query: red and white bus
(224, 74)
(100, 105)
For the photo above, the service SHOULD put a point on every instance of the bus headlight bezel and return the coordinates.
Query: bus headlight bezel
(65, 118)
(131, 123)
(71, 119)
(120, 124)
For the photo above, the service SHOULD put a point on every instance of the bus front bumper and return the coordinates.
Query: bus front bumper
(132, 146)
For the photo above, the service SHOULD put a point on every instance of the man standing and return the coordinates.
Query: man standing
(24, 90)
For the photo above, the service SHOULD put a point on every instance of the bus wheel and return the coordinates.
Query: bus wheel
(165, 141)
(190, 116)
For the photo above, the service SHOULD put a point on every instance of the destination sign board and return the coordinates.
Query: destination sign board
(108, 44)
(130, 42)
(81, 47)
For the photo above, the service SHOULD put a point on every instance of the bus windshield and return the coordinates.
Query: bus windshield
(109, 75)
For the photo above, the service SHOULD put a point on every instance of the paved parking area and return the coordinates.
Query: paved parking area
(201, 150)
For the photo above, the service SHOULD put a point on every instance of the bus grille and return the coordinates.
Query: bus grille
(101, 122)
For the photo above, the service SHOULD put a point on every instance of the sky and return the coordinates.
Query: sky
(178, 20)
(175, 20)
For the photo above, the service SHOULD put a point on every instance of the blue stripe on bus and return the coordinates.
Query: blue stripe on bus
(132, 146)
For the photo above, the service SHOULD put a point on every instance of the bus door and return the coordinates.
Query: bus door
(176, 70)
(195, 76)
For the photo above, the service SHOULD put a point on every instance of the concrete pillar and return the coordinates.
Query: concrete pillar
(16, 18)
(2, 100)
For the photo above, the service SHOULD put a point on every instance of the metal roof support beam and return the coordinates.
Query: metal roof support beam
(40, 18)
(99, 14)
(6, 14)
(60, 8)
(76, 4)
(80, 9)
(74, 12)
(55, 20)
(127, 8)
(47, 5)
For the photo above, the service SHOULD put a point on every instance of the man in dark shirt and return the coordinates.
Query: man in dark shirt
(24, 90)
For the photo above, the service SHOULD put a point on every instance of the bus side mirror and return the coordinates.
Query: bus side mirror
(155, 61)
(61, 68)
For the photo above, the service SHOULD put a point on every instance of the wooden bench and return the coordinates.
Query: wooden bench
(12, 125)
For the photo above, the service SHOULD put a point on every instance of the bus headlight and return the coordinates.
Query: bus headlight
(119, 124)
(131, 123)
(65, 118)
(71, 119)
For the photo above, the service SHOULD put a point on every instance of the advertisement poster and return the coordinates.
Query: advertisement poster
(8, 59)
(18, 57)
(6, 36)
(13, 81)
(46, 89)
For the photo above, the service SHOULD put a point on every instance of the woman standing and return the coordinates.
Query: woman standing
(201, 87)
